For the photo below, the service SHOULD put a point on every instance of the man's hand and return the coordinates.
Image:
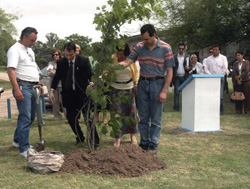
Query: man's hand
(187, 68)
(237, 77)
(91, 84)
(162, 97)
(51, 96)
(18, 94)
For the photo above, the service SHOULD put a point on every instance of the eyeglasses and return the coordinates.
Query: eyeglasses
(181, 48)
(55, 54)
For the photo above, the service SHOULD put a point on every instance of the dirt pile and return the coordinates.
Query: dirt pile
(126, 161)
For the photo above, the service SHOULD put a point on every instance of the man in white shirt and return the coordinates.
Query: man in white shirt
(217, 64)
(180, 72)
(23, 75)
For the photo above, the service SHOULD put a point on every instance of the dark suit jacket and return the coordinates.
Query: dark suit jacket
(83, 73)
(244, 70)
(177, 65)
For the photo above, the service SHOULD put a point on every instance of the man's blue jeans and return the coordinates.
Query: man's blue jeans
(150, 111)
(27, 111)
(178, 81)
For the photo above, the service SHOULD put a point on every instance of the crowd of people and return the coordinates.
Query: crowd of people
(144, 88)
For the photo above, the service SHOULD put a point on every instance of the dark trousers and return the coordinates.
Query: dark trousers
(226, 84)
(222, 96)
(72, 117)
(245, 88)
(177, 82)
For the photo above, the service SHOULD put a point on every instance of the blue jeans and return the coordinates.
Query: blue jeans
(27, 111)
(150, 111)
(178, 81)
(222, 96)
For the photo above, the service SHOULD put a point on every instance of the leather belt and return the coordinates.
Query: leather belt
(180, 75)
(35, 82)
(125, 82)
(151, 78)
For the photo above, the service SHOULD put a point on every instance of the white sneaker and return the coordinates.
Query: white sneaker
(24, 154)
(16, 145)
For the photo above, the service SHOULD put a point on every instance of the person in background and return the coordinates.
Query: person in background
(217, 64)
(78, 48)
(156, 70)
(52, 66)
(241, 74)
(180, 72)
(23, 75)
(196, 67)
(124, 87)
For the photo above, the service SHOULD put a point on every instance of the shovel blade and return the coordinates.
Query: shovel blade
(40, 146)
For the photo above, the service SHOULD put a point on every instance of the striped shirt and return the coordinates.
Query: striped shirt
(154, 62)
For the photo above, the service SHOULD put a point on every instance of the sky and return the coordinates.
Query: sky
(63, 17)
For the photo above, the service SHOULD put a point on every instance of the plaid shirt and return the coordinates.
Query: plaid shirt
(153, 63)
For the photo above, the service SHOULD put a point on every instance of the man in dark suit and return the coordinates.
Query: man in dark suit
(180, 72)
(74, 72)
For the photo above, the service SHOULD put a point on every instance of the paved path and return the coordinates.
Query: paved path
(3, 100)
(4, 76)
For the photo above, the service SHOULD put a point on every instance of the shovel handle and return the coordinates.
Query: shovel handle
(40, 132)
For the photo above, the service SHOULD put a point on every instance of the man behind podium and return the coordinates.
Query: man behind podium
(73, 89)
(217, 64)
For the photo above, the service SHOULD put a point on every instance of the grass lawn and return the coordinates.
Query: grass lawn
(3, 68)
(194, 160)
(5, 84)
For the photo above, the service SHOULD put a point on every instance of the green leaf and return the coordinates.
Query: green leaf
(104, 130)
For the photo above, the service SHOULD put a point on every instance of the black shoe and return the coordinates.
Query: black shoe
(152, 149)
(78, 141)
(144, 147)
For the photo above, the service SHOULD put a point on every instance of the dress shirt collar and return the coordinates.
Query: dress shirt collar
(157, 45)
(72, 60)
(178, 55)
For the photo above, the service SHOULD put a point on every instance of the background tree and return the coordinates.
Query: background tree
(60, 44)
(7, 30)
(201, 23)
(83, 42)
(52, 39)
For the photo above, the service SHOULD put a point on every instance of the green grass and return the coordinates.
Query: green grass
(194, 160)
(3, 68)
(5, 84)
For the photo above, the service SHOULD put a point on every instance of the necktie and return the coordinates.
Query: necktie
(69, 80)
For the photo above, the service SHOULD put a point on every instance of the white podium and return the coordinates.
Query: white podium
(201, 103)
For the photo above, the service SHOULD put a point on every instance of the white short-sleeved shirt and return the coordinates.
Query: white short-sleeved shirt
(216, 65)
(23, 60)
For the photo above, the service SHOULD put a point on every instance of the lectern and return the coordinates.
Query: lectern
(201, 103)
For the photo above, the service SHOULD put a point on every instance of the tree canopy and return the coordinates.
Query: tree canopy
(201, 23)
(7, 30)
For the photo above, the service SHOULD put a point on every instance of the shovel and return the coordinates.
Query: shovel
(36, 91)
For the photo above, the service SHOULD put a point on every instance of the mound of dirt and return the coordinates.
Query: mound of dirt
(126, 161)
